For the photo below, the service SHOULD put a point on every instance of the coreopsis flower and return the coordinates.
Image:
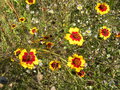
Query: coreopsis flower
(13, 26)
(12, 60)
(118, 35)
(30, 2)
(54, 65)
(33, 30)
(28, 59)
(49, 45)
(17, 51)
(74, 37)
(76, 62)
(105, 32)
(22, 19)
(81, 73)
(102, 8)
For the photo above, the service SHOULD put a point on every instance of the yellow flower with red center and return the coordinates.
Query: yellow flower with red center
(33, 30)
(22, 19)
(17, 51)
(81, 73)
(74, 37)
(102, 8)
(118, 35)
(105, 32)
(28, 59)
(49, 45)
(54, 65)
(30, 2)
(76, 62)
(13, 26)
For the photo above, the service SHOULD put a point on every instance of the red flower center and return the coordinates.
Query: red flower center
(75, 36)
(49, 45)
(55, 65)
(34, 30)
(76, 62)
(28, 58)
(105, 32)
(22, 19)
(13, 25)
(102, 7)
(30, 1)
(81, 73)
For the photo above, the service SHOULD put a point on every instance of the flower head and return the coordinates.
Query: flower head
(102, 8)
(54, 65)
(49, 45)
(105, 32)
(28, 59)
(17, 51)
(81, 73)
(30, 2)
(74, 37)
(33, 30)
(76, 62)
(79, 7)
(22, 19)
(118, 35)
(13, 26)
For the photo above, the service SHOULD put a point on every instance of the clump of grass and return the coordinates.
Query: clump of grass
(52, 20)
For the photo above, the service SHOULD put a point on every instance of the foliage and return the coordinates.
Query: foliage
(53, 19)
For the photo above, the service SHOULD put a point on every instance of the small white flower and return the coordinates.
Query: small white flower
(40, 62)
(95, 36)
(37, 21)
(28, 71)
(88, 31)
(83, 33)
(78, 20)
(51, 11)
(87, 22)
(82, 11)
(108, 55)
(33, 18)
(65, 47)
(74, 24)
(79, 7)
(27, 7)
(34, 71)
(106, 21)
(29, 41)
(32, 12)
